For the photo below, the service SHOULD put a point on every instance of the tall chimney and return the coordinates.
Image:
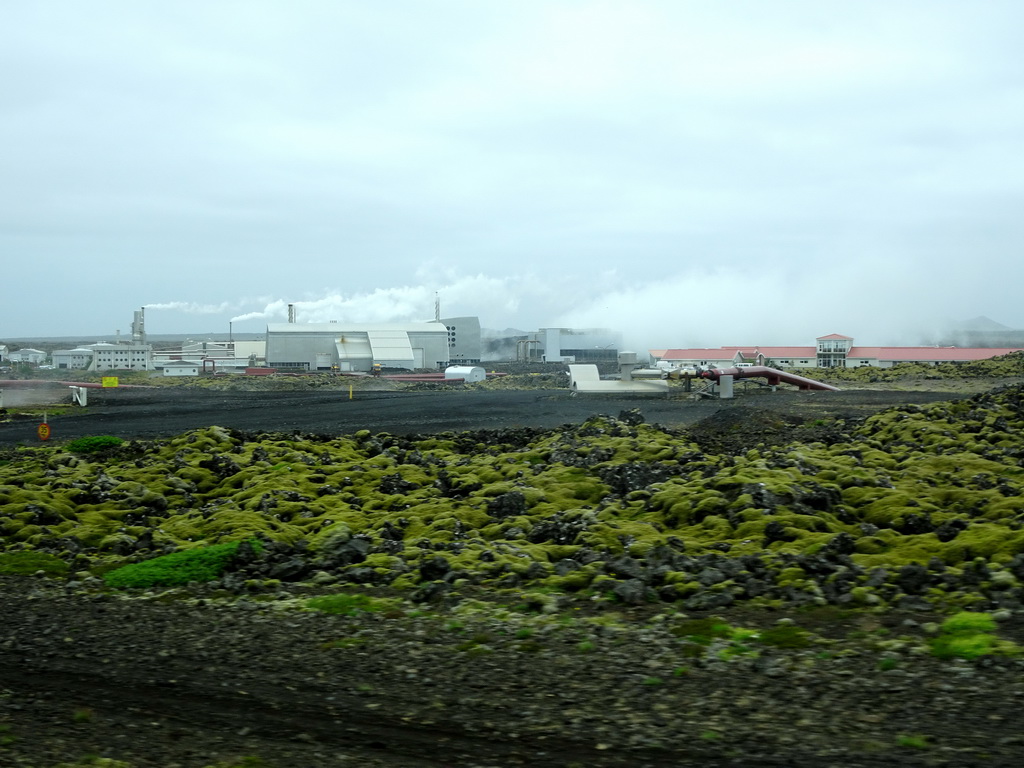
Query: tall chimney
(291, 313)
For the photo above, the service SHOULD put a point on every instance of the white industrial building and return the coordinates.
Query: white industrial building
(79, 358)
(27, 355)
(214, 355)
(3, 353)
(464, 345)
(356, 347)
(105, 356)
(121, 357)
(570, 345)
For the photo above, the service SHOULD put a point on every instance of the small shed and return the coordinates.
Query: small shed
(468, 373)
(181, 368)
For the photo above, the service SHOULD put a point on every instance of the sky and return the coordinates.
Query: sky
(685, 172)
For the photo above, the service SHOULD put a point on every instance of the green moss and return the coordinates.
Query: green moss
(27, 562)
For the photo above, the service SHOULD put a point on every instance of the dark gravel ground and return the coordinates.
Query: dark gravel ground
(184, 682)
(148, 413)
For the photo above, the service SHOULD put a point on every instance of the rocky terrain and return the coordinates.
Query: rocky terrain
(823, 582)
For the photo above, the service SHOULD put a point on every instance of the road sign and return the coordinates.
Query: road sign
(43, 431)
(109, 381)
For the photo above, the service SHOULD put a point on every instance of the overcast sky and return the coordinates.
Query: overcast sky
(686, 172)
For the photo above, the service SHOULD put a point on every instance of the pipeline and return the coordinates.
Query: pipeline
(773, 375)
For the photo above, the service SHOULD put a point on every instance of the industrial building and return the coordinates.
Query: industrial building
(27, 355)
(569, 345)
(356, 347)
(105, 356)
(464, 345)
(831, 351)
(214, 356)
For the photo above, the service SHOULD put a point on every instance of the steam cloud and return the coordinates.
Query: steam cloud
(193, 308)
(696, 307)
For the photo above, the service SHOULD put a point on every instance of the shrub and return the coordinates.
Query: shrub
(26, 562)
(177, 568)
(94, 444)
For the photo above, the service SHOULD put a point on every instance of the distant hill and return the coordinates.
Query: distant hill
(980, 331)
(982, 324)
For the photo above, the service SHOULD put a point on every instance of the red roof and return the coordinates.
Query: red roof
(888, 354)
(835, 336)
(728, 353)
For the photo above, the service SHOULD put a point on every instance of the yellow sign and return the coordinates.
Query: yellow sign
(110, 381)
(43, 430)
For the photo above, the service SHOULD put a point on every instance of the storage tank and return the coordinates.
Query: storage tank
(468, 373)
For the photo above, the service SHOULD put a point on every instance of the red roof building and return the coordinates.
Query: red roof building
(831, 351)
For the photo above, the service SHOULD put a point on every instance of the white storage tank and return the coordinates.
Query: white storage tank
(468, 373)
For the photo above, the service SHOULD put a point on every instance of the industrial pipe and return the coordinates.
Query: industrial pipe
(773, 375)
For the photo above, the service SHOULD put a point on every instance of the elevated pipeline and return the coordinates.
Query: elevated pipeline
(773, 375)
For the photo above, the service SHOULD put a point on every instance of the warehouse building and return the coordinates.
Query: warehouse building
(356, 347)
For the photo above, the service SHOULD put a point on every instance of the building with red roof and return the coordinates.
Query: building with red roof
(831, 351)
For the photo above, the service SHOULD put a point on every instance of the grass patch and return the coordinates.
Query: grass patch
(27, 562)
(702, 631)
(345, 604)
(784, 636)
(345, 642)
(913, 742)
(93, 444)
(178, 568)
(968, 635)
(6, 737)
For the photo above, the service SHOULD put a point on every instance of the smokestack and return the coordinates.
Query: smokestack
(437, 308)
(291, 313)
(139, 327)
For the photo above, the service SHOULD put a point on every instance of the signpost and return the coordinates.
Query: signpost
(43, 430)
